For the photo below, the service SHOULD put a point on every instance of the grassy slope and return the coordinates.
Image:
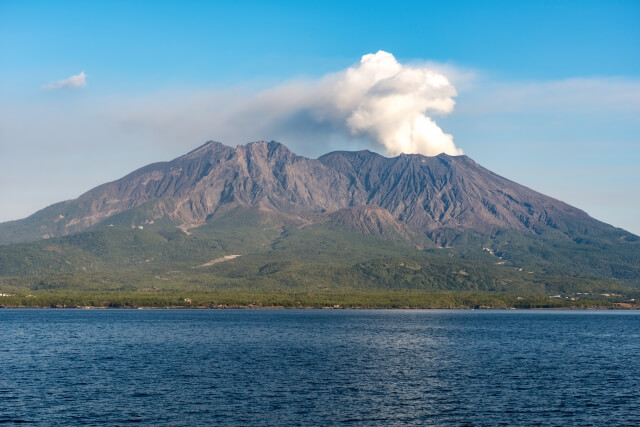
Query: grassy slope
(552, 252)
(286, 263)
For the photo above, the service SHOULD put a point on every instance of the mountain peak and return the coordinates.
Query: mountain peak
(267, 150)
(260, 194)
(207, 146)
(206, 149)
(264, 145)
(428, 194)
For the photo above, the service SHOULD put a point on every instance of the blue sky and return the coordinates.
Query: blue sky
(547, 93)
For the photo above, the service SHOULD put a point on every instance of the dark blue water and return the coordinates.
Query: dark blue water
(319, 367)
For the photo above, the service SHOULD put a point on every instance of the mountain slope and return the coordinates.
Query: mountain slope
(192, 188)
(248, 198)
(429, 194)
(444, 192)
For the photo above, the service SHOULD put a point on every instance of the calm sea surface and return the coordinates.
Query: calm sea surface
(319, 367)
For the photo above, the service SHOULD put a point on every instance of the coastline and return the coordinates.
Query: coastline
(288, 299)
(249, 307)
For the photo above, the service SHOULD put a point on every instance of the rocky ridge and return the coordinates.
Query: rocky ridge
(372, 194)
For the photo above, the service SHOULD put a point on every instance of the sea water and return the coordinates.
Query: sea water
(319, 367)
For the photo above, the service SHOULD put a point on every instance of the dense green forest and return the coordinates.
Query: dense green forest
(247, 262)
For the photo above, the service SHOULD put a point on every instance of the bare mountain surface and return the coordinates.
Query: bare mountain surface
(405, 194)
(348, 220)
(369, 220)
(196, 187)
(444, 192)
(374, 221)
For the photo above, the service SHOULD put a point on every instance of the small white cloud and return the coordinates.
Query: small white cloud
(79, 80)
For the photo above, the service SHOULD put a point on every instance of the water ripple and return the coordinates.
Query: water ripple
(318, 367)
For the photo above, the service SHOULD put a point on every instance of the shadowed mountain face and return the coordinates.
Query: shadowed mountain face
(433, 194)
(408, 194)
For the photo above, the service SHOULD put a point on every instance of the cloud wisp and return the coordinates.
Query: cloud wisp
(378, 101)
(77, 81)
(594, 95)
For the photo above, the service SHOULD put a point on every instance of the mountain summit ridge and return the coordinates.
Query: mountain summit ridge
(434, 196)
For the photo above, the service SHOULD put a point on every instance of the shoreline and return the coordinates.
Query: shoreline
(249, 307)
(311, 300)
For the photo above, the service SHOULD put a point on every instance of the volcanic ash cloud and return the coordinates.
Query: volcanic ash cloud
(378, 98)
(389, 102)
(377, 101)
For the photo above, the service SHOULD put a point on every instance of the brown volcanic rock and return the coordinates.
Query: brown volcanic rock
(270, 176)
(429, 195)
(195, 187)
(449, 192)
(375, 221)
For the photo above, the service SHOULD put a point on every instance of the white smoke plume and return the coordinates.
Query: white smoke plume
(378, 102)
(389, 102)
